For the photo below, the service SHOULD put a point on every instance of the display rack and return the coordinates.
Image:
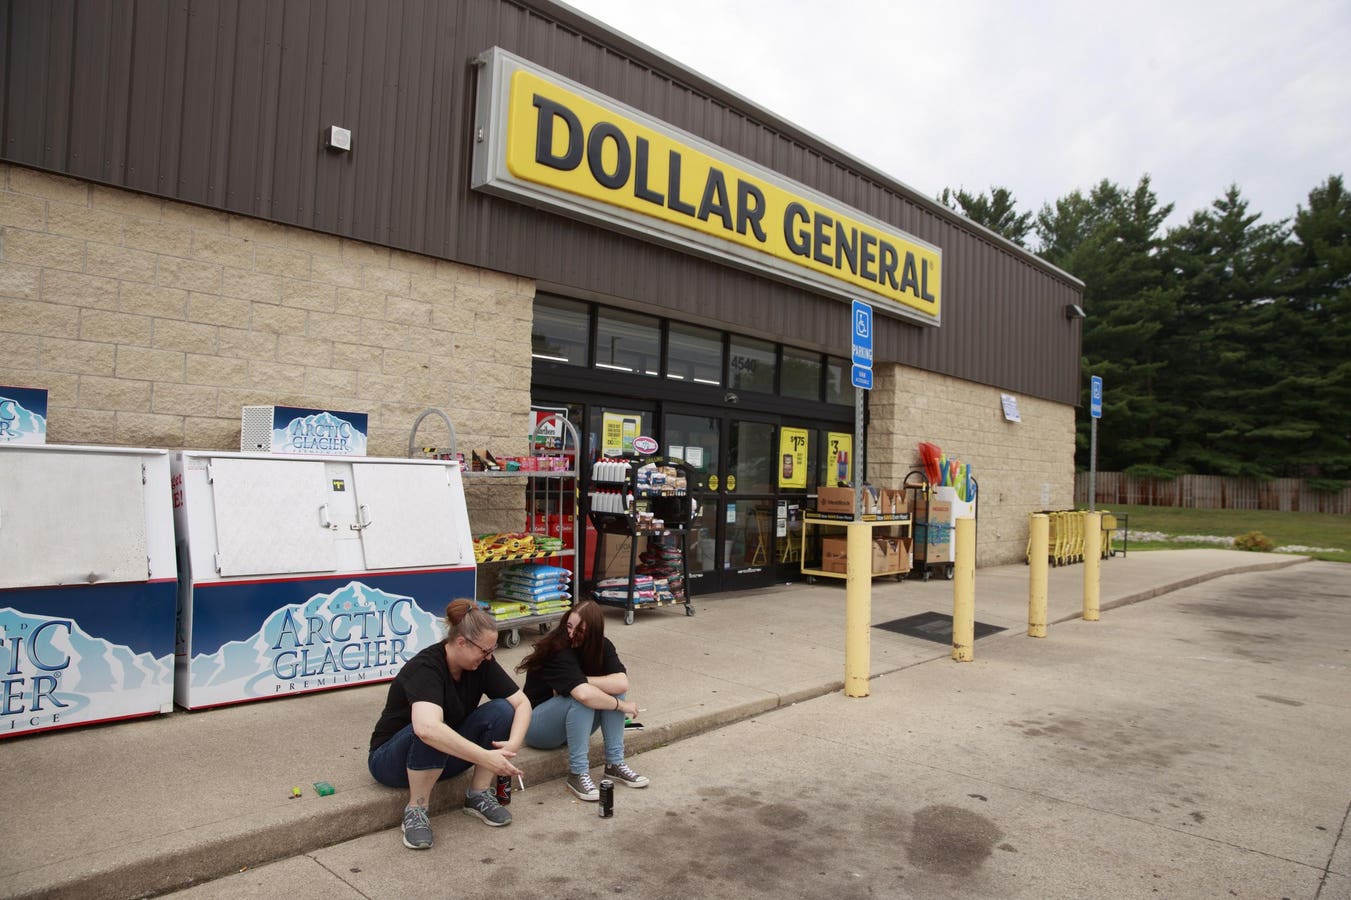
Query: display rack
(897, 525)
(549, 473)
(631, 497)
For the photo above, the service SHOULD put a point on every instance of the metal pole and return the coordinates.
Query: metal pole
(858, 453)
(1092, 564)
(1093, 466)
(964, 591)
(858, 587)
(1037, 563)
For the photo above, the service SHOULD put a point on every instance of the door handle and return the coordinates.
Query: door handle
(363, 518)
(324, 519)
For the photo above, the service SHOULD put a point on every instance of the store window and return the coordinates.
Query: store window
(801, 374)
(628, 342)
(751, 365)
(838, 388)
(559, 331)
(694, 354)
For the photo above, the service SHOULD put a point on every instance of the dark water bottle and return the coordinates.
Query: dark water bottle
(607, 798)
(504, 790)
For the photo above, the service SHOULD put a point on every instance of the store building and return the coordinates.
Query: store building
(483, 205)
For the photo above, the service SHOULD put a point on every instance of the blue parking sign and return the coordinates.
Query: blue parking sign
(862, 315)
(1095, 397)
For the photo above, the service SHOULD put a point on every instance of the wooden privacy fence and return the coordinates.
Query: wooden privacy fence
(1212, 492)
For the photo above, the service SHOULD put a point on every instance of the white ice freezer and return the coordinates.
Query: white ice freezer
(88, 586)
(309, 573)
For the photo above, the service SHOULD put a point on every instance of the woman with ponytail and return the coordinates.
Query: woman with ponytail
(433, 728)
(577, 684)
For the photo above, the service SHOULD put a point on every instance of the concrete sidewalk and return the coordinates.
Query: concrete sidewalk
(150, 806)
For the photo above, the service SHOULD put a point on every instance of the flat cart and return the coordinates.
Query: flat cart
(815, 525)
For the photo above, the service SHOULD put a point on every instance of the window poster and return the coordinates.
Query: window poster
(840, 460)
(792, 457)
(618, 432)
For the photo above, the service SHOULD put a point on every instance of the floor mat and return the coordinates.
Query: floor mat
(934, 626)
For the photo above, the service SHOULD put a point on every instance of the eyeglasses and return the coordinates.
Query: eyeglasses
(486, 652)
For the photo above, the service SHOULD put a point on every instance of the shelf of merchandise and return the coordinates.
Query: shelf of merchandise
(635, 509)
(897, 525)
(550, 504)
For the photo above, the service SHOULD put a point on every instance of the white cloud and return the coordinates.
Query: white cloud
(1042, 97)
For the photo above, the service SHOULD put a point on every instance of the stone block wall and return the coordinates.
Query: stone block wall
(151, 323)
(1021, 467)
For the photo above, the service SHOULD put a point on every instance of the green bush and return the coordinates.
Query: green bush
(1253, 540)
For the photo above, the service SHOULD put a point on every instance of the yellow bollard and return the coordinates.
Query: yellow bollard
(1040, 528)
(858, 588)
(1092, 564)
(964, 591)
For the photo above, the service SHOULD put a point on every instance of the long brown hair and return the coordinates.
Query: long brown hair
(466, 619)
(591, 653)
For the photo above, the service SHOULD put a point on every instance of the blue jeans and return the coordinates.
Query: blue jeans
(389, 763)
(561, 720)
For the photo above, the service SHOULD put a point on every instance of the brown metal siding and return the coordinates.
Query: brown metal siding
(224, 104)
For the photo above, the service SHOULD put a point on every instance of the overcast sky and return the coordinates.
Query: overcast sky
(1040, 96)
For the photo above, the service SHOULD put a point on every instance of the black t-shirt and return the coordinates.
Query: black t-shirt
(426, 677)
(563, 671)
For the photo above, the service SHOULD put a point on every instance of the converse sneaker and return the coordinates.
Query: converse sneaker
(417, 831)
(484, 805)
(626, 776)
(582, 785)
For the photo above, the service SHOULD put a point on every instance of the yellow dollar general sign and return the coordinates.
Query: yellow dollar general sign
(551, 142)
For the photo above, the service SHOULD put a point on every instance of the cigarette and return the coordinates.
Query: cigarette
(521, 780)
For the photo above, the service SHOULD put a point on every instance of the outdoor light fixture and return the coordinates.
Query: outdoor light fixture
(338, 138)
(1074, 311)
(730, 397)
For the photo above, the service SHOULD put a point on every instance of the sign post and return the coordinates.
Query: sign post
(1095, 411)
(861, 377)
(859, 563)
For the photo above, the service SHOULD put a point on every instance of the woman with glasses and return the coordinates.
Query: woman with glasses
(576, 684)
(433, 728)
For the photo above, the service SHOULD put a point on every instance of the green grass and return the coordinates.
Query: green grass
(1283, 528)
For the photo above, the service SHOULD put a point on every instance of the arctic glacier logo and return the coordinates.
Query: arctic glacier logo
(20, 425)
(354, 634)
(56, 674)
(320, 433)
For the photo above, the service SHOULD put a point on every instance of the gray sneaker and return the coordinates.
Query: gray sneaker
(484, 805)
(626, 776)
(582, 785)
(417, 831)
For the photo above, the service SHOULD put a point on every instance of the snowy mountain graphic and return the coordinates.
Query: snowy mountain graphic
(20, 425)
(93, 678)
(353, 614)
(320, 433)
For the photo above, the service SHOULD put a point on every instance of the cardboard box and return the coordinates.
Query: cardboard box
(895, 502)
(835, 500)
(886, 555)
(834, 554)
(936, 534)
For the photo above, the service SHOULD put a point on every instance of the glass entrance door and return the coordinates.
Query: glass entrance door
(732, 545)
(749, 503)
(697, 439)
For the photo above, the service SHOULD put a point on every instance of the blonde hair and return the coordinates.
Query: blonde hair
(466, 619)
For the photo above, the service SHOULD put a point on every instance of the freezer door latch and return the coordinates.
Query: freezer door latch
(219, 564)
(363, 518)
